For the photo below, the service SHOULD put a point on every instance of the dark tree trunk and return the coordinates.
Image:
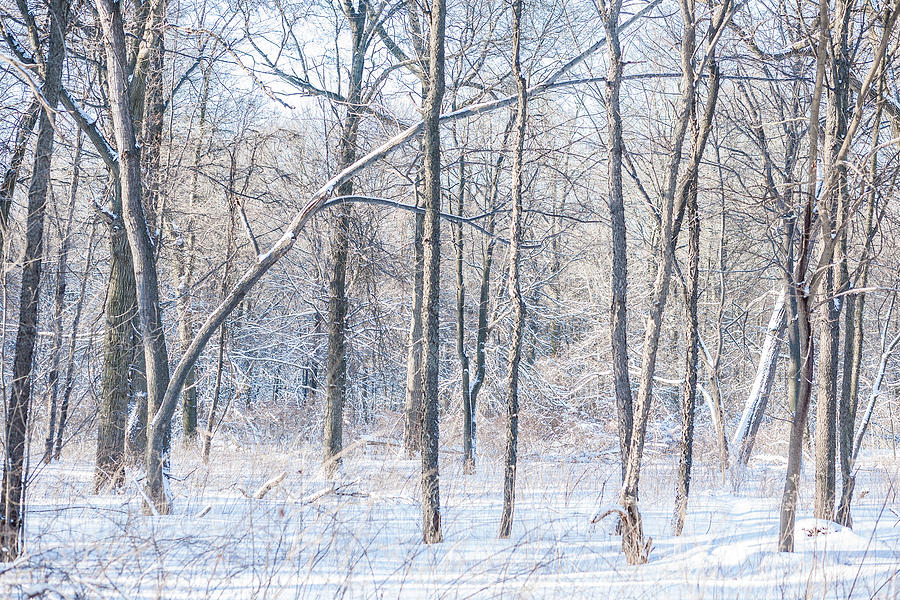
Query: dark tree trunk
(826, 402)
(336, 360)
(515, 289)
(24, 128)
(431, 144)
(143, 256)
(12, 497)
(800, 291)
(618, 310)
(466, 396)
(689, 395)
(118, 346)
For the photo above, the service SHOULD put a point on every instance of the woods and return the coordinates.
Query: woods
(653, 237)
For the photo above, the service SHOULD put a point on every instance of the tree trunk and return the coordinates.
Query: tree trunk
(143, 257)
(758, 398)
(618, 310)
(515, 290)
(59, 303)
(689, 395)
(12, 497)
(412, 430)
(826, 402)
(800, 292)
(467, 408)
(635, 548)
(336, 360)
(8, 185)
(109, 468)
(431, 144)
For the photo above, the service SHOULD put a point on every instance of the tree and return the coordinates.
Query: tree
(515, 289)
(143, 256)
(431, 239)
(619, 282)
(13, 488)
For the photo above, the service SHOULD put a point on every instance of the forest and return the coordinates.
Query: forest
(449, 299)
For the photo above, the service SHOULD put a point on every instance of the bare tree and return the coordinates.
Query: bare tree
(431, 144)
(515, 288)
(12, 497)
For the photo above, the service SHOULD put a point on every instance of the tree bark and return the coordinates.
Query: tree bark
(120, 310)
(431, 144)
(515, 289)
(689, 394)
(466, 392)
(412, 430)
(12, 497)
(143, 257)
(336, 360)
(801, 293)
(758, 398)
(618, 310)
(24, 130)
(826, 402)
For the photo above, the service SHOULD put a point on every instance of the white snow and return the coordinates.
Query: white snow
(361, 537)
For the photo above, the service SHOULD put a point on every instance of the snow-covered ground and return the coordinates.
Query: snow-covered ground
(361, 539)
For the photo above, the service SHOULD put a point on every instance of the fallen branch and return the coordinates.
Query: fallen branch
(267, 486)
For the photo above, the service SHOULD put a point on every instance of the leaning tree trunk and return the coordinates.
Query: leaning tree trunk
(431, 144)
(515, 288)
(59, 302)
(12, 497)
(635, 548)
(143, 257)
(8, 185)
(758, 398)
